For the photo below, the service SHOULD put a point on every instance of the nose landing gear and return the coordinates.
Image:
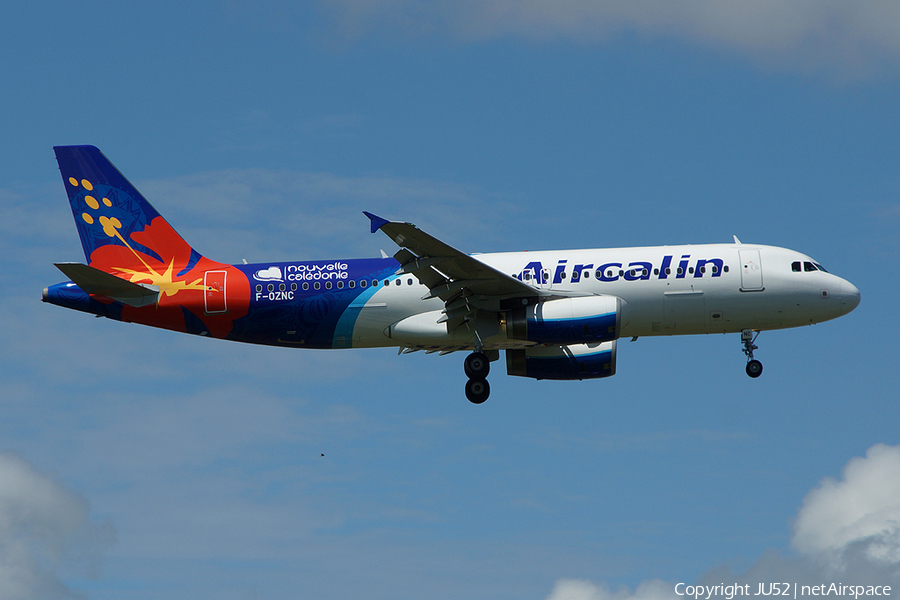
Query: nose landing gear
(477, 366)
(754, 367)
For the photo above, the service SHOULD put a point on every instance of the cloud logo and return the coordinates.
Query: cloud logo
(270, 274)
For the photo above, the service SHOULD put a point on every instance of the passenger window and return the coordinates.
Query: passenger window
(305, 286)
(327, 285)
(340, 285)
(258, 287)
(281, 287)
(293, 287)
(362, 283)
(409, 281)
(374, 283)
(271, 287)
(351, 284)
(317, 285)
(396, 282)
(795, 266)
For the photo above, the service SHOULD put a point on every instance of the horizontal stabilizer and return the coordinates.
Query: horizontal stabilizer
(95, 281)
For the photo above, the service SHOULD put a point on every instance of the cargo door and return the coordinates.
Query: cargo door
(684, 312)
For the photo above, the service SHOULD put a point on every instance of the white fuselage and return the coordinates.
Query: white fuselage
(665, 290)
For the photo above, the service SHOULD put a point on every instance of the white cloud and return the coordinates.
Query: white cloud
(864, 506)
(848, 39)
(847, 531)
(578, 589)
(43, 527)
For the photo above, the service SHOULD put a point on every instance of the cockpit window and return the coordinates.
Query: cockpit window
(807, 266)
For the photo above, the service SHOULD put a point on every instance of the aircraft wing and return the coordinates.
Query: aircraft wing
(448, 272)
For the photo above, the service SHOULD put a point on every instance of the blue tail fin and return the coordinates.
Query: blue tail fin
(115, 222)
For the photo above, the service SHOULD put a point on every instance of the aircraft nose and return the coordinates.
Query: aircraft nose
(849, 296)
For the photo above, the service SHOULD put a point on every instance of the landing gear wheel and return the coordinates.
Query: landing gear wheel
(477, 366)
(754, 368)
(477, 390)
(748, 339)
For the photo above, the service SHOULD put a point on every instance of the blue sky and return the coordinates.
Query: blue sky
(139, 464)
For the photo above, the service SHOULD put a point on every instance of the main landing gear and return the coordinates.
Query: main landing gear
(754, 367)
(477, 367)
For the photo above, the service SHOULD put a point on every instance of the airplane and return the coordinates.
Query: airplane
(556, 314)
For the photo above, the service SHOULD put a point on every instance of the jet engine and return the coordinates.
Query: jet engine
(583, 320)
(577, 361)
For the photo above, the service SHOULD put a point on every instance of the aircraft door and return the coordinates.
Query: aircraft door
(545, 280)
(539, 278)
(751, 271)
(214, 292)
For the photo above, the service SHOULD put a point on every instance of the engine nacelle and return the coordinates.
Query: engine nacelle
(584, 320)
(577, 361)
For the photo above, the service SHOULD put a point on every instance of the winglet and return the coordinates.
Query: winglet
(377, 222)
